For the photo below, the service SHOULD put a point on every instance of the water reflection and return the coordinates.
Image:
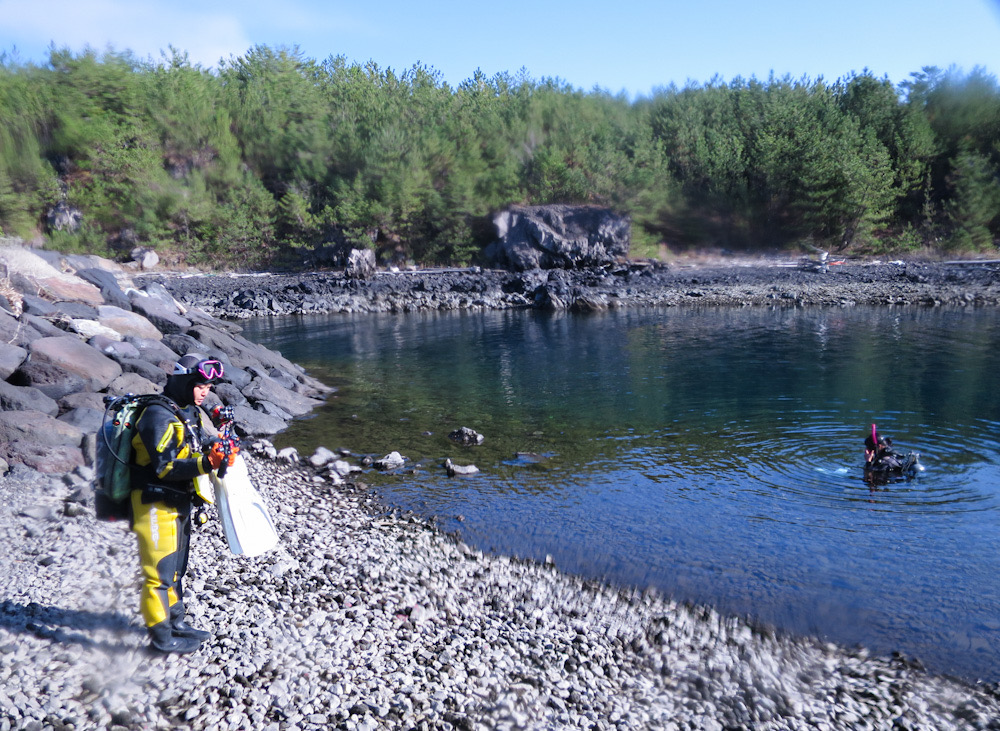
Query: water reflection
(715, 454)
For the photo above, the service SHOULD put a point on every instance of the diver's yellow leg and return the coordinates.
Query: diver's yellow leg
(157, 529)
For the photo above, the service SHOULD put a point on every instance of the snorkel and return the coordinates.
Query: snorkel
(871, 451)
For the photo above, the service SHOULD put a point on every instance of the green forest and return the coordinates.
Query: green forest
(272, 155)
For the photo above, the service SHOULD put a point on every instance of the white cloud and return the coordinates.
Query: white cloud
(146, 28)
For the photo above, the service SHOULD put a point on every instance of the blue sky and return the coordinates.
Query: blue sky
(632, 45)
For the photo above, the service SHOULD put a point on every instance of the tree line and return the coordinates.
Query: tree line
(273, 154)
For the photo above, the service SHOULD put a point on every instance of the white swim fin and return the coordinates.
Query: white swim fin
(245, 520)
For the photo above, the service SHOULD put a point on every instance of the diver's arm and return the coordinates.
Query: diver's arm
(160, 443)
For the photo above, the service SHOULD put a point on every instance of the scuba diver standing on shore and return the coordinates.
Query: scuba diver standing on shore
(172, 447)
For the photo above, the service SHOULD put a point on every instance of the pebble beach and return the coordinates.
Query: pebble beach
(367, 619)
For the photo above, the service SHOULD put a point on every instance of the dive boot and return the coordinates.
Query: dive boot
(163, 639)
(181, 628)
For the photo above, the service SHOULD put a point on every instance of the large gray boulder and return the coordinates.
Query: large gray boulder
(74, 356)
(108, 284)
(38, 428)
(242, 353)
(114, 346)
(265, 388)
(14, 331)
(127, 323)
(132, 383)
(250, 423)
(52, 380)
(23, 398)
(558, 236)
(154, 351)
(85, 419)
(11, 356)
(29, 272)
(164, 315)
(42, 326)
(149, 372)
(82, 400)
(360, 264)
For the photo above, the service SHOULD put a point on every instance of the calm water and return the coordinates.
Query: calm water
(714, 454)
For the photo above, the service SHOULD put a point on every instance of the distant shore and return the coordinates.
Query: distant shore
(738, 283)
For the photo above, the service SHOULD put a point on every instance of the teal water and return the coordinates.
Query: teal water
(713, 454)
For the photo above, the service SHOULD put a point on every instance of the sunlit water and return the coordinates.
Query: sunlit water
(714, 454)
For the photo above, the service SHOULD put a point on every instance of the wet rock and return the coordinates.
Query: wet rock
(322, 457)
(391, 461)
(265, 388)
(466, 436)
(454, 469)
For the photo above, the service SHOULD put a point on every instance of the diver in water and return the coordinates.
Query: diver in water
(882, 460)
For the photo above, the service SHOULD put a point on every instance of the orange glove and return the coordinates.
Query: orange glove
(216, 455)
(224, 450)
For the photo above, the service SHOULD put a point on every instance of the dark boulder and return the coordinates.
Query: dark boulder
(145, 369)
(230, 394)
(50, 379)
(24, 398)
(558, 236)
(64, 217)
(107, 283)
(37, 306)
(13, 331)
(466, 436)
(250, 422)
(154, 350)
(132, 383)
(166, 316)
(360, 264)
(117, 349)
(82, 400)
(86, 419)
(264, 388)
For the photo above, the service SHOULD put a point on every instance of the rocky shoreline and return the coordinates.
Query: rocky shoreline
(364, 618)
(741, 283)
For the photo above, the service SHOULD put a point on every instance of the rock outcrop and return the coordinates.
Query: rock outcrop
(558, 236)
(76, 329)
